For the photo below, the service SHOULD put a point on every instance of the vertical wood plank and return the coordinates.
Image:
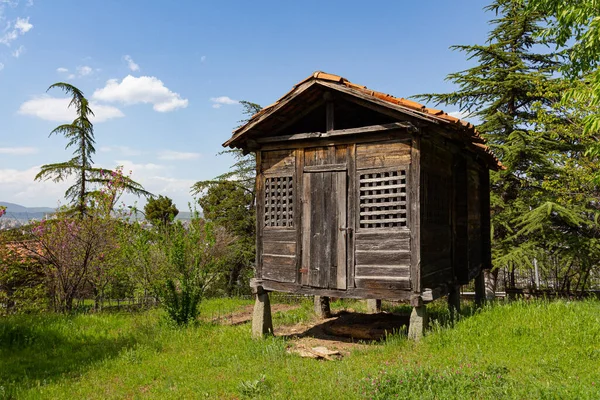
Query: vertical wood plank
(332, 227)
(317, 198)
(351, 217)
(306, 219)
(460, 260)
(342, 233)
(330, 116)
(486, 240)
(326, 216)
(414, 199)
(260, 213)
(298, 202)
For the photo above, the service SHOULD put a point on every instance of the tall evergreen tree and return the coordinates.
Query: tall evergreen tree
(80, 133)
(577, 24)
(229, 200)
(502, 91)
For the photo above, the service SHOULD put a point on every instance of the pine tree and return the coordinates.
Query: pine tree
(80, 134)
(503, 90)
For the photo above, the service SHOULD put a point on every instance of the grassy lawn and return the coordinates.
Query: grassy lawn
(520, 350)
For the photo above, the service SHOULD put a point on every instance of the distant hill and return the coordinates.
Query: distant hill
(22, 213)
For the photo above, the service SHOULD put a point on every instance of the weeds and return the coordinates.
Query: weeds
(517, 350)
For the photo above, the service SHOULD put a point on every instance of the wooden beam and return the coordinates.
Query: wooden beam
(298, 211)
(350, 293)
(329, 112)
(352, 198)
(325, 168)
(341, 132)
(282, 102)
(260, 214)
(414, 216)
(380, 137)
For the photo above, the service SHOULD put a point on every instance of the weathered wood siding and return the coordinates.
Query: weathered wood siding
(474, 218)
(277, 201)
(436, 214)
(323, 224)
(460, 231)
(382, 240)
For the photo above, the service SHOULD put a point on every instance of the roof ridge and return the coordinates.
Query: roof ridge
(431, 113)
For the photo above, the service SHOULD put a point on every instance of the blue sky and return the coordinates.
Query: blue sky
(165, 77)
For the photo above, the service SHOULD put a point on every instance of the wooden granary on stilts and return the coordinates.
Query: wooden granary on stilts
(365, 195)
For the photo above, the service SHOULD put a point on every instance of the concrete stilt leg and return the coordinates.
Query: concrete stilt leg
(322, 308)
(454, 302)
(262, 323)
(418, 322)
(373, 306)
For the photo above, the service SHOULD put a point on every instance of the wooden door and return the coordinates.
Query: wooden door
(324, 229)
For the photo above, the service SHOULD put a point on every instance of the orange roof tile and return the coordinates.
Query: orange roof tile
(430, 113)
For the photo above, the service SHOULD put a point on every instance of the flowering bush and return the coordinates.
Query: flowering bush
(2, 210)
(76, 252)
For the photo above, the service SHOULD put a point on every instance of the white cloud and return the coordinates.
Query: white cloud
(218, 102)
(80, 71)
(157, 179)
(20, 27)
(18, 52)
(85, 70)
(177, 155)
(145, 89)
(459, 114)
(202, 59)
(123, 150)
(23, 25)
(21, 188)
(1, 66)
(18, 151)
(129, 165)
(131, 64)
(57, 109)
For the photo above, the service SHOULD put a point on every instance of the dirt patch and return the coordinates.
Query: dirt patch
(343, 332)
(245, 314)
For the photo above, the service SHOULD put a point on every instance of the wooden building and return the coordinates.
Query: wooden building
(364, 195)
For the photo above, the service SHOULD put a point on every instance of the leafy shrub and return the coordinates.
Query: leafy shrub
(194, 256)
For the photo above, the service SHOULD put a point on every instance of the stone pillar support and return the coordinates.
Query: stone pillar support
(322, 308)
(418, 319)
(373, 306)
(262, 323)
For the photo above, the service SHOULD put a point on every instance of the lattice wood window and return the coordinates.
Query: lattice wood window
(279, 205)
(382, 201)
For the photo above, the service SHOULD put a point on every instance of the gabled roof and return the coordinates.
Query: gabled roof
(466, 129)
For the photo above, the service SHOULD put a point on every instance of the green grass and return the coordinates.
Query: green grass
(520, 350)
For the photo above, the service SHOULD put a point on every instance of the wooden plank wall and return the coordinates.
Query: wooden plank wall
(436, 224)
(382, 255)
(278, 245)
(474, 218)
(460, 234)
